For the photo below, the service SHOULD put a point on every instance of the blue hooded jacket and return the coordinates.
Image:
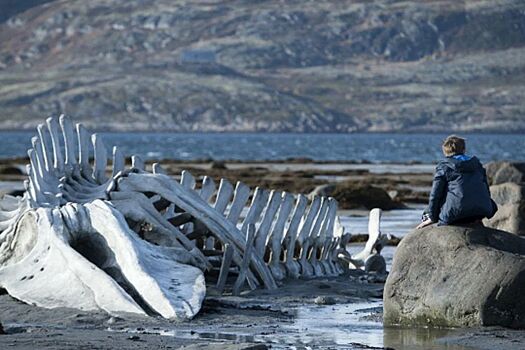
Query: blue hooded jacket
(460, 191)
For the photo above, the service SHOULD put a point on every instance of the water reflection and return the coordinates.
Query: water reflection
(419, 338)
(341, 326)
(338, 325)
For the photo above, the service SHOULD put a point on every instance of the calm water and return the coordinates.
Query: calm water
(340, 326)
(423, 148)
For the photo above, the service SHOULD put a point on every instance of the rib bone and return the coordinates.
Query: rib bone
(127, 240)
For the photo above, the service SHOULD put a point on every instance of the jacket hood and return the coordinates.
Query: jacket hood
(462, 163)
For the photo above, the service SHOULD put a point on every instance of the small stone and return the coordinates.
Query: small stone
(218, 165)
(375, 263)
(113, 320)
(255, 347)
(377, 277)
(324, 300)
(134, 337)
(1, 329)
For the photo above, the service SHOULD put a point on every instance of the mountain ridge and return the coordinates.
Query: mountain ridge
(347, 66)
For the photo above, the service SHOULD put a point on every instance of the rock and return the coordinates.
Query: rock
(1, 329)
(325, 190)
(501, 172)
(510, 216)
(393, 194)
(224, 346)
(324, 300)
(376, 277)
(114, 320)
(363, 237)
(12, 188)
(375, 263)
(457, 276)
(253, 347)
(220, 165)
(17, 170)
(352, 196)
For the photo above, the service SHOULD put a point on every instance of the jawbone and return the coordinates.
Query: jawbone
(93, 261)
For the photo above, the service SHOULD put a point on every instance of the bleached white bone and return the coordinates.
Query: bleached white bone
(171, 289)
(208, 188)
(47, 272)
(69, 144)
(137, 163)
(275, 240)
(374, 231)
(374, 235)
(259, 199)
(323, 242)
(293, 268)
(101, 159)
(153, 231)
(273, 205)
(223, 196)
(187, 180)
(158, 169)
(245, 260)
(307, 269)
(191, 202)
(225, 267)
(241, 195)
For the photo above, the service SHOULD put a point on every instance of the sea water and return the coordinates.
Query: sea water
(365, 147)
(317, 326)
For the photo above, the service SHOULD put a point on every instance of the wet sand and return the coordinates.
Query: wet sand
(259, 317)
(340, 313)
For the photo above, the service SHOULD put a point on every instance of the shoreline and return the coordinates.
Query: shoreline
(346, 311)
(324, 313)
(404, 183)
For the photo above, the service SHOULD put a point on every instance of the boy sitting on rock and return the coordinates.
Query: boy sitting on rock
(460, 192)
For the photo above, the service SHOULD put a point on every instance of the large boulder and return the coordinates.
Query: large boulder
(503, 171)
(510, 216)
(350, 195)
(457, 276)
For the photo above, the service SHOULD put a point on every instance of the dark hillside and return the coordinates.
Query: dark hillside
(267, 65)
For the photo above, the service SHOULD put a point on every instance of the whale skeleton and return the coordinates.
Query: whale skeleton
(90, 235)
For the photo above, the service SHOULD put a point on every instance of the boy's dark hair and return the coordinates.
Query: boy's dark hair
(453, 145)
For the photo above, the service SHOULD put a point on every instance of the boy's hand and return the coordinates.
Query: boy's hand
(425, 223)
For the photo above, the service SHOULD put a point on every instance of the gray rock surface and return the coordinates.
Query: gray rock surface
(322, 191)
(13, 188)
(325, 300)
(503, 171)
(375, 263)
(510, 216)
(350, 195)
(457, 276)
